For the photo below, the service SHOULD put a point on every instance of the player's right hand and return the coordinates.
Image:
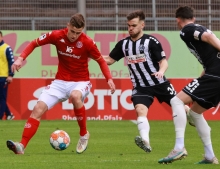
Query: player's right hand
(111, 85)
(17, 64)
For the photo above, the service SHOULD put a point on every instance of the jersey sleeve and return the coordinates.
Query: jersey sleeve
(117, 52)
(156, 50)
(47, 38)
(96, 55)
(190, 33)
(93, 50)
(10, 59)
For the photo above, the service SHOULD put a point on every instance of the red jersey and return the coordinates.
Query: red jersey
(72, 56)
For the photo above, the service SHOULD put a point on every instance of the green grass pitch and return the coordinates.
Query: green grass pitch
(111, 146)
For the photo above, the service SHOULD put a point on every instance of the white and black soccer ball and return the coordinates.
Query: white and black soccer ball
(59, 140)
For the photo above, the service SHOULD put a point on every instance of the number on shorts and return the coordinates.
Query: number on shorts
(171, 90)
(192, 85)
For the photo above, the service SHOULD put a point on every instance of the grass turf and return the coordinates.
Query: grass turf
(111, 146)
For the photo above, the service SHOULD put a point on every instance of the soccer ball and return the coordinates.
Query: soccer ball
(59, 140)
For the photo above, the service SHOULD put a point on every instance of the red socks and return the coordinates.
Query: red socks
(81, 119)
(30, 129)
(32, 125)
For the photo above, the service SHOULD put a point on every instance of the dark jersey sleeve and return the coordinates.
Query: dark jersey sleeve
(117, 52)
(192, 32)
(10, 58)
(155, 49)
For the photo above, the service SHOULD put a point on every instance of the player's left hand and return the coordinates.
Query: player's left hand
(111, 85)
(158, 75)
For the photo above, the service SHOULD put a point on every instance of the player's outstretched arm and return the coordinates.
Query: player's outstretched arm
(108, 60)
(26, 52)
(211, 39)
(106, 72)
(111, 85)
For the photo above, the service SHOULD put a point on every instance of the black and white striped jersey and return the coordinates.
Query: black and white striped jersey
(142, 57)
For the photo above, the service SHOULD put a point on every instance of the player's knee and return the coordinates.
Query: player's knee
(39, 109)
(75, 96)
(176, 101)
(141, 110)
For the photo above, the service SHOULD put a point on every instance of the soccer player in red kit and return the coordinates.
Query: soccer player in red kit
(71, 82)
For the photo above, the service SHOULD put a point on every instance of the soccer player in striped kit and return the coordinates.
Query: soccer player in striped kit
(146, 61)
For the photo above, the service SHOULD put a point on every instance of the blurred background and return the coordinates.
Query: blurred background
(102, 14)
(24, 20)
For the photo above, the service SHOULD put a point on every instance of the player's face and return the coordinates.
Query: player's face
(135, 27)
(73, 33)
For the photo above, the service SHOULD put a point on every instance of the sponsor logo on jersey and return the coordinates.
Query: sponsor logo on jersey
(68, 54)
(136, 58)
(79, 44)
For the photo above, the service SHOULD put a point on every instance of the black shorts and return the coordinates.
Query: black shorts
(145, 95)
(204, 90)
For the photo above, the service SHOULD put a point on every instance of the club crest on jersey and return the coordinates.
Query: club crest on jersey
(141, 48)
(79, 44)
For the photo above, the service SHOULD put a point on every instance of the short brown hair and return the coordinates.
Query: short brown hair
(1, 33)
(185, 12)
(136, 14)
(77, 20)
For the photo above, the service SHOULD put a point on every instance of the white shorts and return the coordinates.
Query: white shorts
(59, 91)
